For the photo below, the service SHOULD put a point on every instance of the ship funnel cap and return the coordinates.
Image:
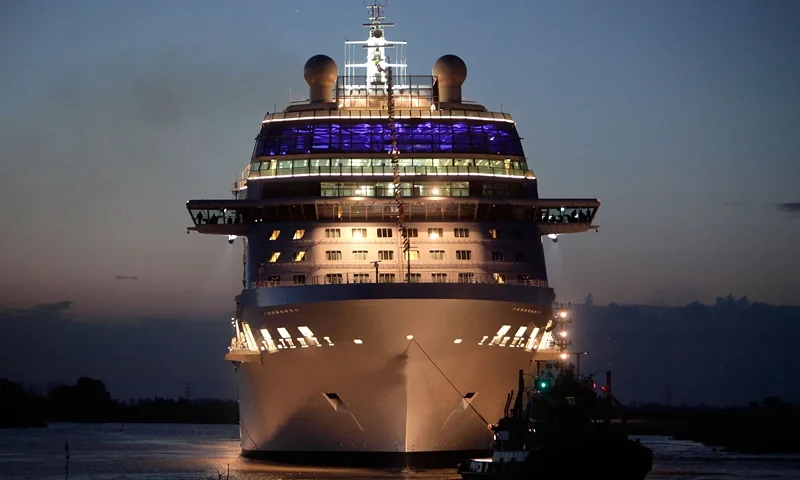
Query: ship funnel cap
(320, 73)
(450, 72)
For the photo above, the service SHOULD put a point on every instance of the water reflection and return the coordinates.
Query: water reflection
(184, 452)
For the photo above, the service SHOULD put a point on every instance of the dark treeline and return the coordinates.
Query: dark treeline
(89, 401)
(771, 426)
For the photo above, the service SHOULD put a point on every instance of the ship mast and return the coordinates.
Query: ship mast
(379, 64)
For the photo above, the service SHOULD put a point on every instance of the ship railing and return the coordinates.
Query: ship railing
(359, 278)
(388, 171)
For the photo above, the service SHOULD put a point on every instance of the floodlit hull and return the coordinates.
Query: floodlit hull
(389, 397)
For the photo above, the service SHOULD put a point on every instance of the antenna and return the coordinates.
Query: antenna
(367, 54)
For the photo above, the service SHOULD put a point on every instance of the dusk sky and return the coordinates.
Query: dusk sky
(681, 116)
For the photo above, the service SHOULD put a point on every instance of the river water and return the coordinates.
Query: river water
(195, 452)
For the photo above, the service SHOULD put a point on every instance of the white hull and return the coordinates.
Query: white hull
(391, 397)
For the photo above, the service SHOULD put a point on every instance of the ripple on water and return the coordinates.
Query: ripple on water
(195, 452)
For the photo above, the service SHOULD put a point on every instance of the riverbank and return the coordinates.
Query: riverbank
(770, 427)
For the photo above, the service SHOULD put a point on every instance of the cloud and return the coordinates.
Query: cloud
(734, 203)
(51, 310)
(792, 208)
(126, 277)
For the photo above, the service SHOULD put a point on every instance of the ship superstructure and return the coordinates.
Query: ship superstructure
(393, 263)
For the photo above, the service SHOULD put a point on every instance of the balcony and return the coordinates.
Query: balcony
(388, 171)
(392, 277)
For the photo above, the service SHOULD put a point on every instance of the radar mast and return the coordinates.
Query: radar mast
(376, 60)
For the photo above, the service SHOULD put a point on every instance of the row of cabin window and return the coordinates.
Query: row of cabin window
(338, 278)
(387, 233)
(336, 255)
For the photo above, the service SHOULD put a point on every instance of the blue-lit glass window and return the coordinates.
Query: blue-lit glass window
(413, 136)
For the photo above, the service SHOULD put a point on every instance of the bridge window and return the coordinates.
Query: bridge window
(333, 255)
(333, 233)
(298, 279)
(437, 254)
(359, 254)
(414, 278)
(461, 232)
(463, 254)
(387, 189)
(333, 279)
(435, 233)
(566, 215)
(412, 232)
(497, 256)
(384, 233)
(386, 255)
(359, 233)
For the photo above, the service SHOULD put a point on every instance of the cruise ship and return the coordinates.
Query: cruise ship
(394, 279)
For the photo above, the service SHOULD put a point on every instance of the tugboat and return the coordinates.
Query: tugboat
(560, 428)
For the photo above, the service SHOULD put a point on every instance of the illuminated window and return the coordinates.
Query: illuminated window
(386, 278)
(499, 278)
(274, 256)
(497, 256)
(412, 232)
(359, 233)
(463, 254)
(368, 135)
(439, 277)
(466, 278)
(461, 232)
(361, 278)
(435, 233)
(333, 255)
(298, 279)
(457, 340)
(357, 341)
(359, 254)
(384, 233)
(333, 233)
(333, 279)
(299, 256)
(298, 234)
(494, 234)
(414, 254)
(386, 255)
(437, 254)
(275, 235)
